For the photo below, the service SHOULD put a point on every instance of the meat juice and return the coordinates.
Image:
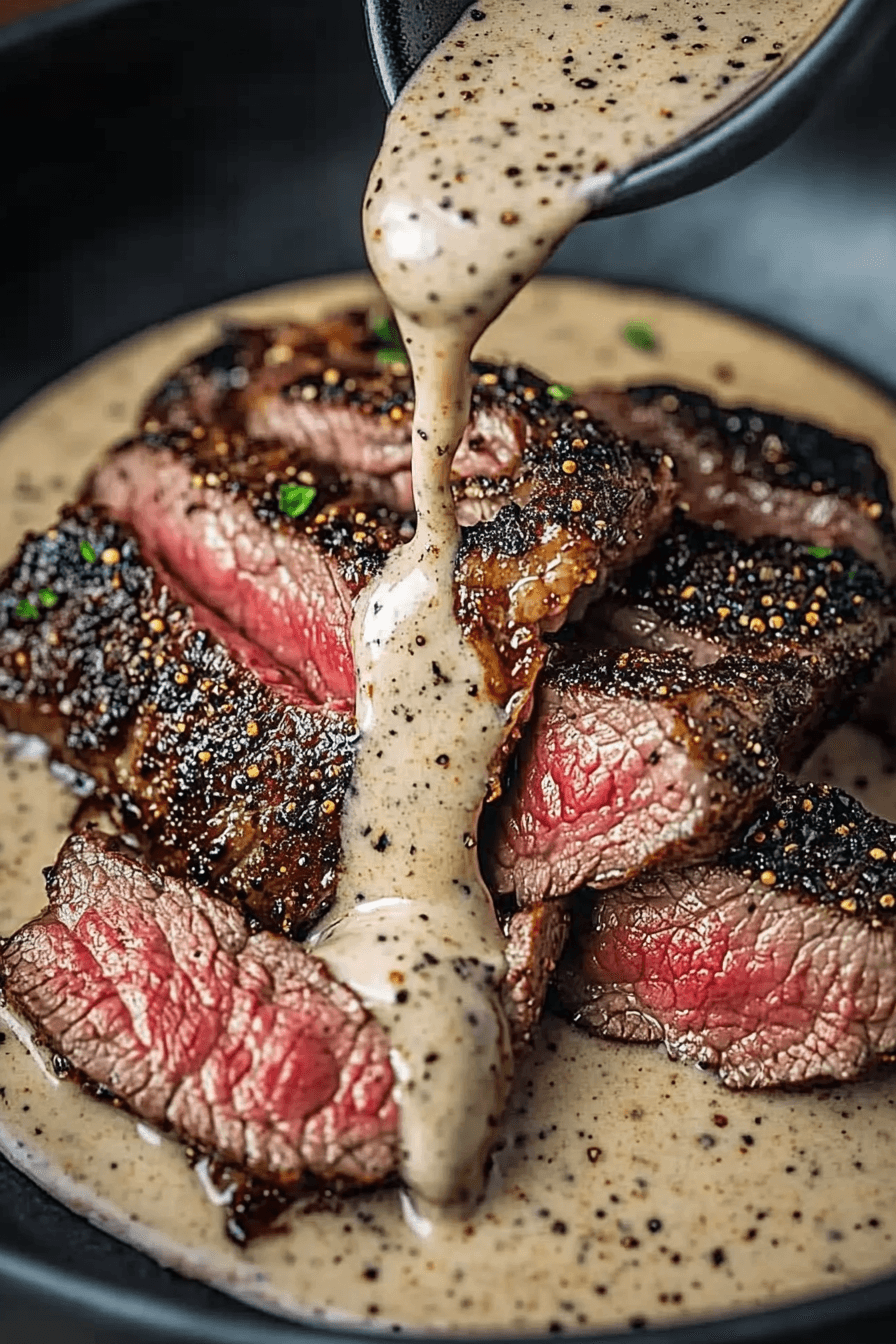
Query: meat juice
(626, 1187)
(505, 140)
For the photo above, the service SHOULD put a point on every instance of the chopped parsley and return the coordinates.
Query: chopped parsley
(87, 552)
(386, 329)
(26, 611)
(296, 499)
(819, 552)
(640, 335)
(393, 353)
(560, 391)
(48, 597)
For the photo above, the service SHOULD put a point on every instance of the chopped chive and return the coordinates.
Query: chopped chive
(87, 551)
(296, 499)
(25, 611)
(819, 552)
(640, 335)
(391, 357)
(559, 391)
(387, 331)
(852, 573)
(48, 597)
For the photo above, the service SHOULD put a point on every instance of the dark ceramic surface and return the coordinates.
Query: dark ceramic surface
(163, 154)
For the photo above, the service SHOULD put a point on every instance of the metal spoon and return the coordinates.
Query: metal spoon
(402, 32)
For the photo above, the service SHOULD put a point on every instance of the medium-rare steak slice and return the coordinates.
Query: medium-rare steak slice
(326, 384)
(775, 965)
(206, 507)
(760, 474)
(225, 781)
(635, 760)
(240, 1044)
(655, 755)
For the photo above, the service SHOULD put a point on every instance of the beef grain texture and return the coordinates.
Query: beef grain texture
(775, 965)
(636, 760)
(760, 474)
(664, 714)
(240, 1044)
(226, 783)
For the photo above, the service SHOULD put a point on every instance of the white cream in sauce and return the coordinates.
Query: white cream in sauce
(512, 130)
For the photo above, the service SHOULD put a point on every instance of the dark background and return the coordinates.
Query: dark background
(158, 155)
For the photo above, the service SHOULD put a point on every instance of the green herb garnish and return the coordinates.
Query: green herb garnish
(819, 552)
(559, 391)
(296, 499)
(387, 331)
(87, 551)
(48, 597)
(640, 335)
(26, 611)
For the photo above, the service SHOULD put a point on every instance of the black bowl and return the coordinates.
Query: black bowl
(164, 154)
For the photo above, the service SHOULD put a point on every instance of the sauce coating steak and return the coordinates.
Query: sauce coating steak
(775, 965)
(759, 474)
(238, 1043)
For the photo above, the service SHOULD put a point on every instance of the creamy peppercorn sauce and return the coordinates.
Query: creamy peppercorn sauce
(506, 137)
(625, 1187)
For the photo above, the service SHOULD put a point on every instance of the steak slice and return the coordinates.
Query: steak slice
(205, 507)
(637, 759)
(710, 593)
(760, 474)
(536, 936)
(658, 729)
(240, 1044)
(225, 781)
(327, 385)
(776, 965)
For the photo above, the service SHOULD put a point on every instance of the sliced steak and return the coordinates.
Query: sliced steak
(775, 965)
(550, 502)
(328, 385)
(759, 474)
(240, 1044)
(709, 593)
(226, 781)
(658, 729)
(637, 759)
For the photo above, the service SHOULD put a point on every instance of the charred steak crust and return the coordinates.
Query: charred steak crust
(759, 473)
(635, 760)
(796, 454)
(767, 598)
(226, 783)
(774, 965)
(822, 842)
(240, 1044)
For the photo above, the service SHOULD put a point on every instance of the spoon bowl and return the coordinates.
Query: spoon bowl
(402, 32)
